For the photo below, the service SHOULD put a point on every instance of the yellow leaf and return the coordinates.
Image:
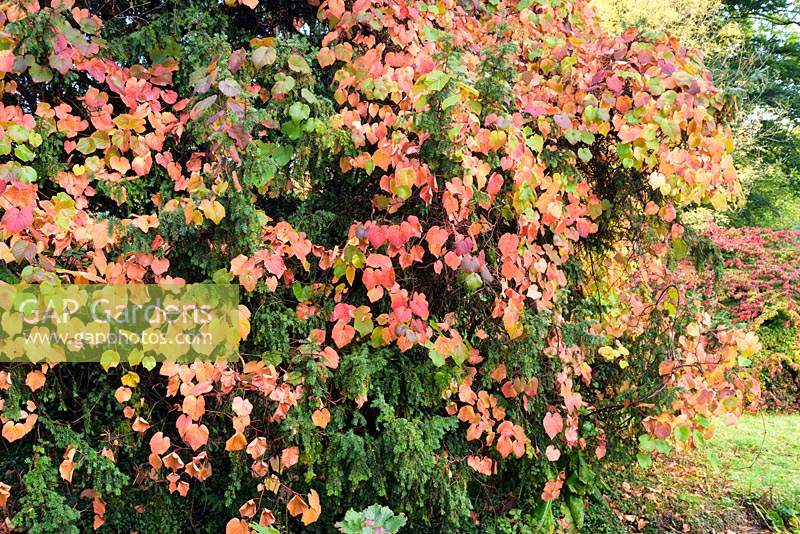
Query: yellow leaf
(129, 122)
(5, 254)
(213, 210)
(130, 379)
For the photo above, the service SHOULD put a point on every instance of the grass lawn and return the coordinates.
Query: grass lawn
(761, 455)
(746, 480)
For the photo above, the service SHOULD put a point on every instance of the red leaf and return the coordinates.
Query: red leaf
(15, 219)
(553, 424)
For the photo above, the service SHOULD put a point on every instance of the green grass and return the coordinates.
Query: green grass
(761, 455)
(745, 480)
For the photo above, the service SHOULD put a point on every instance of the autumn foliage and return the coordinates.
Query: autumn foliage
(455, 226)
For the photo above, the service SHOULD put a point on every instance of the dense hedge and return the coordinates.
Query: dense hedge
(455, 226)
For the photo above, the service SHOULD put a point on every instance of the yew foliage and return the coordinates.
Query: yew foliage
(455, 225)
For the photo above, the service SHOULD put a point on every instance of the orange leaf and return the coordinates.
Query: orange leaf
(321, 417)
(248, 509)
(67, 466)
(159, 444)
(481, 464)
(314, 510)
(237, 526)
(196, 436)
(499, 373)
(242, 407)
(381, 159)
(194, 407)
(35, 380)
(140, 425)
(13, 431)
(553, 424)
(173, 461)
(267, 518)
(436, 238)
(122, 394)
(336, 8)
(326, 58)
(5, 493)
(342, 333)
(257, 448)
(236, 442)
(296, 506)
(290, 456)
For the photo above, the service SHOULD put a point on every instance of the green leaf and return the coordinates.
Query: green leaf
(86, 145)
(576, 511)
(297, 63)
(535, 143)
(436, 80)
(25, 174)
(260, 529)
(663, 446)
(283, 84)
(149, 363)
(545, 521)
(24, 153)
(402, 191)
(433, 34)
(299, 111)
(292, 129)
(437, 359)
(40, 74)
(584, 154)
(682, 433)
(451, 101)
(646, 443)
(460, 354)
(269, 170)
(679, 248)
(308, 96)
(573, 136)
(34, 139)
(283, 155)
(656, 86)
(109, 359)
(364, 325)
(644, 460)
(135, 357)
(222, 277)
(18, 133)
